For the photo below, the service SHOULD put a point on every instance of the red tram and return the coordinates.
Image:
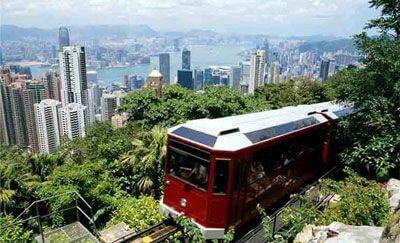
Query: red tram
(218, 170)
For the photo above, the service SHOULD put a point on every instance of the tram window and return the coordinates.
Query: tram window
(221, 176)
(188, 167)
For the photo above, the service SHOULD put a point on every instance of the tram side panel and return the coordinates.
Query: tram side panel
(271, 172)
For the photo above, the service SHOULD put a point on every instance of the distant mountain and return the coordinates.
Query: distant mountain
(329, 46)
(112, 31)
(12, 32)
(315, 38)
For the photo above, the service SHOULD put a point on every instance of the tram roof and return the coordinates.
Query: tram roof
(237, 132)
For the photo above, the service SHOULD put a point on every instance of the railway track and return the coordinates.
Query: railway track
(154, 234)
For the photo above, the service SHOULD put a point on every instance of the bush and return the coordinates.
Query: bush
(139, 213)
(363, 202)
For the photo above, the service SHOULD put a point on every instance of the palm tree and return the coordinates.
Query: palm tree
(146, 159)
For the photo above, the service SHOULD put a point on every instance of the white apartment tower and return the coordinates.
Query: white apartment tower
(72, 120)
(73, 75)
(257, 66)
(47, 125)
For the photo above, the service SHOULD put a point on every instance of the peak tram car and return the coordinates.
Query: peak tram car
(218, 170)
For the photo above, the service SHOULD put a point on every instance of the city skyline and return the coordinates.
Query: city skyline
(279, 18)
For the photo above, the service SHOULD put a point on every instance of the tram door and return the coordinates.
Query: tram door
(238, 191)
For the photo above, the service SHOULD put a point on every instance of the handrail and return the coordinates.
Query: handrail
(18, 220)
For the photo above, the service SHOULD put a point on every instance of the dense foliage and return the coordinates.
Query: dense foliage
(375, 90)
(138, 213)
(177, 104)
(294, 92)
(362, 202)
(15, 233)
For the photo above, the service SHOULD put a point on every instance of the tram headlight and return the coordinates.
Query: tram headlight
(183, 202)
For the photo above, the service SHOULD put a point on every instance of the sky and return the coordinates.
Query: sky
(271, 17)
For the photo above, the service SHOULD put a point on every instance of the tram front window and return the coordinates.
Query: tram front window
(188, 167)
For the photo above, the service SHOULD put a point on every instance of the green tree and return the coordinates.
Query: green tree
(146, 158)
(375, 93)
(178, 105)
(390, 17)
(295, 92)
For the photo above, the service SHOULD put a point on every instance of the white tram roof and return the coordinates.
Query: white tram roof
(237, 132)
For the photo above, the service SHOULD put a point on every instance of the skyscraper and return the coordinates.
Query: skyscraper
(164, 61)
(1, 57)
(235, 76)
(198, 79)
(63, 37)
(109, 103)
(18, 114)
(73, 75)
(33, 93)
(245, 72)
(72, 120)
(185, 59)
(47, 120)
(6, 118)
(257, 65)
(324, 70)
(52, 81)
(108, 106)
(274, 73)
(266, 49)
(91, 104)
(207, 76)
(185, 79)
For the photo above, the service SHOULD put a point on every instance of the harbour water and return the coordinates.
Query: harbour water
(201, 56)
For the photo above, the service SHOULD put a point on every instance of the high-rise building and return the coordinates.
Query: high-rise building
(47, 120)
(266, 49)
(235, 77)
(274, 73)
(108, 106)
(91, 104)
(6, 117)
(185, 79)
(208, 76)
(164, 61)
(72, 120)
(1, 57)
(155, 80)
(245, 72)
(73, 75)
(109, 103)
(91, 76)
(198, 79)
(63, 37)
(33, 93)
(18, 114)
(176, 45)
(324, 69)
(257, 66)
(185, 59)
(52, 81)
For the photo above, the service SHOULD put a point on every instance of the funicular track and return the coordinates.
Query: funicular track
(156, 233)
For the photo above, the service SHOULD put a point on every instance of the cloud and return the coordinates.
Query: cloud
(274, 17)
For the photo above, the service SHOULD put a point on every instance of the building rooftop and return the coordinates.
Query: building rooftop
(155, 74)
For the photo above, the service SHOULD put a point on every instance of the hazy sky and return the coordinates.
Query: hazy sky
(272, 17)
